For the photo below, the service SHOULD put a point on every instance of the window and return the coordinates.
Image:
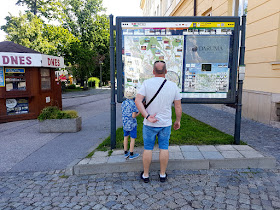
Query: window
(15, 79)
(45, 79)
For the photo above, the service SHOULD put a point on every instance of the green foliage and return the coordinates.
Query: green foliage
(82, 37)
(72, 86)
(30, 31)
(72, 113)
(94, 80)
(53, 112)
(50, 9)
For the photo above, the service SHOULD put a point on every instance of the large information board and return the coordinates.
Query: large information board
(200, 53)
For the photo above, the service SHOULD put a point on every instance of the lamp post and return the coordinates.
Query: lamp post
(100, 64)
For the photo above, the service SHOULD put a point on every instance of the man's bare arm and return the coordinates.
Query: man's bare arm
(178, 111)
(138, 101)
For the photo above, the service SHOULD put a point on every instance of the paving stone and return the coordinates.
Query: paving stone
(212, 155)
(98, 160)
(175, 156)
(116, 159)
(231, 154)
(189, 148)
(225, 148)
(251, 154)
(174, 149)
(84, 161)
(243, 148)
(192, 155)
(185, 189)
(207, 148)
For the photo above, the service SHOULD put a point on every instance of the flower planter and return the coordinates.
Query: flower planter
(60, 125)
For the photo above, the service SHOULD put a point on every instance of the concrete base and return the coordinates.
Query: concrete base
(60, 125)
(180, 158)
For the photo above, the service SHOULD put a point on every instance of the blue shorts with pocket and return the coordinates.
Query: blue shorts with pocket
(150, 133)
(132, 134)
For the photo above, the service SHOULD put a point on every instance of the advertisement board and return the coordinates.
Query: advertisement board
(200, 54)
(2, 77)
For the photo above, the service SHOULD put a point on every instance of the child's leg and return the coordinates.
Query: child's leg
(133, 136)
(125, 143)
(132, 143)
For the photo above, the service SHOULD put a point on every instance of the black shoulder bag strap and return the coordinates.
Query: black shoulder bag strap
(155, 94)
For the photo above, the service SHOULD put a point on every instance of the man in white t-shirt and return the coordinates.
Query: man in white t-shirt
(157, 117)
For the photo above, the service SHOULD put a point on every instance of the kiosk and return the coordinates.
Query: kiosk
(27, 82)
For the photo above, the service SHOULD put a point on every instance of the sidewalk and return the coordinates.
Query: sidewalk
(180, 158)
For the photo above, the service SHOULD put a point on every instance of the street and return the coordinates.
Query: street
(23, 148)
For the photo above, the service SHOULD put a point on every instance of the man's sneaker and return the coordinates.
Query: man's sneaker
(126, 155)
(163, 179)
(146, 180)
(136, 155)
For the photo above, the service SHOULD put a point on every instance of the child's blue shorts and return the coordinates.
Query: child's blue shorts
(132, 134)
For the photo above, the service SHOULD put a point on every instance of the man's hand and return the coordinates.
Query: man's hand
(152, 118)
(176, 125)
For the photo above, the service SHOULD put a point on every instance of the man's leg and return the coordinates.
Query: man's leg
(149, 137)
(163, 158)
(147, 159)
(163, 141)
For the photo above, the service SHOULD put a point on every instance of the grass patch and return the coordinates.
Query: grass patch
(192, 132)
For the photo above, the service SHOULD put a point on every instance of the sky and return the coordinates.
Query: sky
(114, 7)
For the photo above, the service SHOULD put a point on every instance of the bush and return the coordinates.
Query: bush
(72, 113)
(53, 112)
(94, 80)
(73, 86)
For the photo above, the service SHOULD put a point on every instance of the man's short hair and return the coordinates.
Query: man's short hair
(160, 71)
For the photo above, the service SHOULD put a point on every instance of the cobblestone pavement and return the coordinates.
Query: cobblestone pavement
(262, 137)
(188, 189)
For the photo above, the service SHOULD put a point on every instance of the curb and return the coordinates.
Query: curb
(102, 163)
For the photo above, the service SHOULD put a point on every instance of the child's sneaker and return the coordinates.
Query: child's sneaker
(136, 155)
(126, 155)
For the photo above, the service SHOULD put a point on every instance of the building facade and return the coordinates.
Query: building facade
(261, 91)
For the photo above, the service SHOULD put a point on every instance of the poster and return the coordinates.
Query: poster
(17, 106)
(206, 73)
(2, 77)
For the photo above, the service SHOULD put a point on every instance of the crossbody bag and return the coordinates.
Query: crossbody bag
(144, 101)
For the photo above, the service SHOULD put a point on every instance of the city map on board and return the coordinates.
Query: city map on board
(140, 53)
(197, 55)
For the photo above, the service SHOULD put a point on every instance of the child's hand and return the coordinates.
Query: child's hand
(135, 114)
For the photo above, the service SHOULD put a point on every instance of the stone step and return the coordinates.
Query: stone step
(180, 158)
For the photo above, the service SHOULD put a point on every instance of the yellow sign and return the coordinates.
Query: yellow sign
(212, 25)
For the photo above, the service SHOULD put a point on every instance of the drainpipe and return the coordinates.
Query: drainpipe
(194, 7)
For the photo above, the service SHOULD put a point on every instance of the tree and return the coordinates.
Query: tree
(50, 9)
(82, 19)
(82, 38)
(30, 31)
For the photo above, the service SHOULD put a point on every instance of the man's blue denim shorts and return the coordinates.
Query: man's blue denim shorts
(150, 133)
(132, 134)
